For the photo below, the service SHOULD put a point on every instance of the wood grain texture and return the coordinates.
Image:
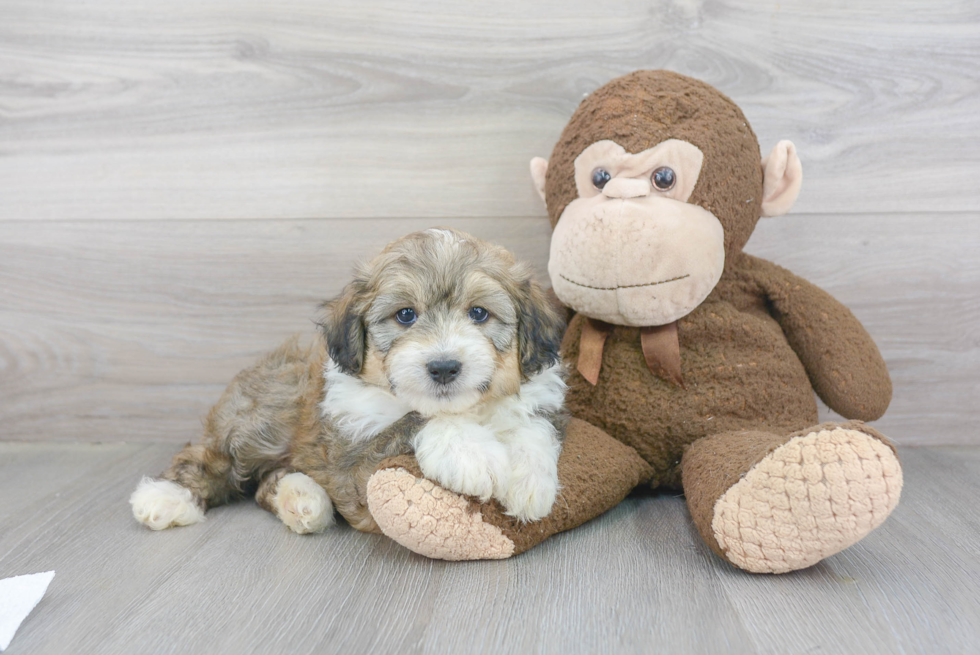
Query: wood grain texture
(304, 109)
(636, 579)
(129, 330)
(121, 319)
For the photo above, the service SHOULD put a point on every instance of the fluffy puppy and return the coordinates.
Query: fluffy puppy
(442, 345)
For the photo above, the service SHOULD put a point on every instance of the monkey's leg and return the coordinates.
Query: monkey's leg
(199, 477)
(770, 504)
(297, 499)
(594, 470)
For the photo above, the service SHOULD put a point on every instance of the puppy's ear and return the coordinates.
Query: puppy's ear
(343, 328)
(539, 330)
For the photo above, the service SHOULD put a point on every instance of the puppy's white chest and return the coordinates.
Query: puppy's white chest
(359, 411)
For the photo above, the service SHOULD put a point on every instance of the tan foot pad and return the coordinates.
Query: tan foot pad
(810, 498)
(431, 521)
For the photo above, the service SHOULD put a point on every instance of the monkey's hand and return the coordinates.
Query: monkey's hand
(842, 361)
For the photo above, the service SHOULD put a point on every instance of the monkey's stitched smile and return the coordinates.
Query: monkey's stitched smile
(627, 286)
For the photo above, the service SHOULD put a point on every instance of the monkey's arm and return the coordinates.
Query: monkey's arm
(842, 361)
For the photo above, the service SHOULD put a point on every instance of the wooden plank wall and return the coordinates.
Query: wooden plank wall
(181, 182)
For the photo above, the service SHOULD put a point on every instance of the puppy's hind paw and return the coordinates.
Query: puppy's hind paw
(302, 504)
(162, 504)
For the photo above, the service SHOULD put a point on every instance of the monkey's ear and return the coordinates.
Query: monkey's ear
(539, 168)
(540, 328)
(343, 329)
(783, 177)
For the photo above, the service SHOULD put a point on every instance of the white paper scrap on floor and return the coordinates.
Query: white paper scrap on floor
(18, 596)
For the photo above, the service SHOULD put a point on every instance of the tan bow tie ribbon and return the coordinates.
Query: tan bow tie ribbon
(661, 350)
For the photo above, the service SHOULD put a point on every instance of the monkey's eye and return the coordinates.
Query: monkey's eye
(405, 316)
(599, 178)
(478, 314)
(663, 178)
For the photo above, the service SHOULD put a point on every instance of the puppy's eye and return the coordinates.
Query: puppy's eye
(479, 314)
(663, 178)
(599, 177)
(405, 316)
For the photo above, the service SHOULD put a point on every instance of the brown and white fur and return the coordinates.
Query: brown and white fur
(306, 427)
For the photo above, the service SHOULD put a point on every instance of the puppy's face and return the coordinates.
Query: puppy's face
(444, 321)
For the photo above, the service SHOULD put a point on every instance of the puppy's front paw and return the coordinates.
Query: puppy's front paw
(468, 461)
(480, 470)
(302, 504)
(162, 504)
(534, 482)
(532, 495)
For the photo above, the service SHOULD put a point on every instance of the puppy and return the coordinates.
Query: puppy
(442, 346)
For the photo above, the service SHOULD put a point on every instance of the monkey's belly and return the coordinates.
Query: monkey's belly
(739, 373)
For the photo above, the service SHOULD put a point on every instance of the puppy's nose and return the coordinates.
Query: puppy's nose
(444, 371)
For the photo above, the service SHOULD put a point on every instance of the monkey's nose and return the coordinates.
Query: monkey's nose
(624, 188)
(444, 371)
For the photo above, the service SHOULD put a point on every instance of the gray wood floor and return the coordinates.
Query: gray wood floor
(637, 579)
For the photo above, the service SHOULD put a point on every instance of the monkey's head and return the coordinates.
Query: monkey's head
(656, 181)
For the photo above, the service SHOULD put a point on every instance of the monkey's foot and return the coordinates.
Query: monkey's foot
(595, 472)
(432, 521)
(807, 499)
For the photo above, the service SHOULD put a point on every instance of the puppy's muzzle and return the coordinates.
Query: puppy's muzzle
(444, 371)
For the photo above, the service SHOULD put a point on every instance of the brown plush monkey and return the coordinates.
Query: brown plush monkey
(699, 358)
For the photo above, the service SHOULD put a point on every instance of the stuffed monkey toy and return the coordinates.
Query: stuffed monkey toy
(693, 365)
